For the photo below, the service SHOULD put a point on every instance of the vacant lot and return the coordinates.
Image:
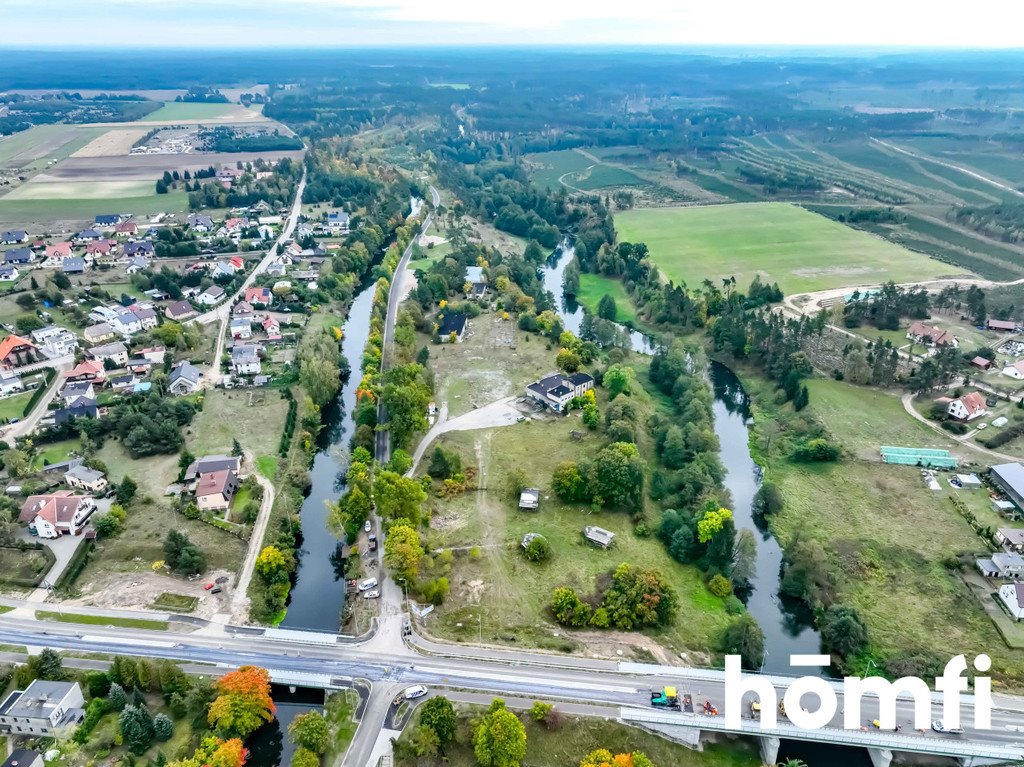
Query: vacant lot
(112, 143)
(594, 286)
(781, 242)
(254, 417)
(173, 111)
(12, 407)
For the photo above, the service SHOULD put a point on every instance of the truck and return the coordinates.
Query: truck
(667, 697)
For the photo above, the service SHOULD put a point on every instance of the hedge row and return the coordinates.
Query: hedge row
(39, 392)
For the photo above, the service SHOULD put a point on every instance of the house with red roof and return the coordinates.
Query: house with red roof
(57, 514)
(59, 251)
(259, 296)
(237, 262)
(16, 351)
(272, 327)
(127, 229)
(967, 407)
(88, 370)
(216, 489)
(100, 248)
(929, 335)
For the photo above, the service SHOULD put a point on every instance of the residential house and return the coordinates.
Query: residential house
(475, 274)
(235, 225)
(276, 268)
(967, 407)
(237, 263)
(184, 379)
(83, 407)
(245, 360)
(222, 269)
(73, 265)
(43, 709)
(211, 463)
(337, 223)
(243, 309)
(981, 363)
(16, 351)
(22, 757)
(57, 252)
(19, 256)
(154, 354)
(598, 536)
(452, 327)
(241, 327)
(100, 250)
(97, 334)
(199, 222)
(262, 296)
(1003, 326)
(88, 370)
(557, 390)
(84, 478)
(193, 290)
(269, 220)
(179, 311)
(115, 352)
(10, 383)
(303, 230)
(57, 514)
(54, 341)
(123, 384)
(136, 264)
(9, 273)
(104, 313)
(1015, 370)
(127, 324)
(13, 237)
(1002, 564)
(931, 336)
(216, 490)
(229, 174)
(211, 296)
(1009, 477)
(272, 327)
(107, 220)
(1011, 539)
(89, 235)
(261, 206)
(76, 389)
(146, 315)
(155, 294)
(133, 249)
(265, 232)
(1012, 597)
(126, 229)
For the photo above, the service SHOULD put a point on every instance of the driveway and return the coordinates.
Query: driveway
(502, 412)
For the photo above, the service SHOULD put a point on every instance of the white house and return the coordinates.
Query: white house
(1016, 370)
(245, 360)
(57, 514)
(54, 341)
(43, 708)
(1002, 564)
(211, 296)
(967, 407)
(556, 391)
(241, 327)
(127, 324)
(10, 383)
(184, 378)
(1012, 597)
(9, 273)
(116, 352)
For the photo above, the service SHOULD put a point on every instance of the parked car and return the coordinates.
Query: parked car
(368, 526)
(216, 590)
(207, 587)
(374, 594)
(367, 584)
(416, 691)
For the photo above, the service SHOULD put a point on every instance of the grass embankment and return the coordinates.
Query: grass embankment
(888, 538)
(339, 711)
(800, 250)
(100, 620)
(577, 737)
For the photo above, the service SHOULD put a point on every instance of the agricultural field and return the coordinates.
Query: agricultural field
(595, 286)
(801, 250)
(81, 190)
(75, 211)
(174, 111)
(112, 143)
(37, 146)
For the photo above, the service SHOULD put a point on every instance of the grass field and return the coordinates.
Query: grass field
(100, 620)
(254, 418)
(178, 603)
(577, 737)
(801, 250)
(39, 144)
(28, 212)
(82, 190)
(55, 452)
(887, 536)
(594, 286)
(20, 569)
(191, 112)
(13, 407)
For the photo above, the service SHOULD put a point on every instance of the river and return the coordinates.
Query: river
(318, 595)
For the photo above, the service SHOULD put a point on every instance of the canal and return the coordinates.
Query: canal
(318, 595)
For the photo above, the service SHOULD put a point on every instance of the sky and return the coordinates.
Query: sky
(335, 23)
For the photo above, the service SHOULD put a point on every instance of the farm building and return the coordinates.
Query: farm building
(1005, 326)
(1009, 477)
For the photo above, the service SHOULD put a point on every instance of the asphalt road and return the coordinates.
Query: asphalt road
(531, 676)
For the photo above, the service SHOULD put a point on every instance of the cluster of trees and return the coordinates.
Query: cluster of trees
(602, 757)
(312, 736)
(405, 392)
(319, 358)
(614, 478)
(635, 598)
(435, 731)
(181, 555)
(277, 189)
(275, 567)
(223, 139)
(885, 307)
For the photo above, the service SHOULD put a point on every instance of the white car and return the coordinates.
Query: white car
(368, 526)
(374, 594)
(369, 583)
(416, 691)
(938, 726)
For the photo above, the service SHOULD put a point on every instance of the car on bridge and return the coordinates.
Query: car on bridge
(939, 726)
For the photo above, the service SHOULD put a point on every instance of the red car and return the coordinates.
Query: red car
(207, 587)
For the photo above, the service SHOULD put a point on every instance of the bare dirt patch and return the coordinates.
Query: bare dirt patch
(136, 591)
(113, 143)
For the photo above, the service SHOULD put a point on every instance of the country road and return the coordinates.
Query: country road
(240, 598)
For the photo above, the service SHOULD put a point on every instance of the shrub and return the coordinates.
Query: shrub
(568, 608)
(720, 586)
(815, 450)
(538, 549)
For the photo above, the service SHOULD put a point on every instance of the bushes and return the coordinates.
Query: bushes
(289, 423)
(39, 392)
(93, 713)
(814, 451)
(843, 631)
(538, 549)
(1000, 438)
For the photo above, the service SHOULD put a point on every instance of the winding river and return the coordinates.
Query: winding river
(318, 595)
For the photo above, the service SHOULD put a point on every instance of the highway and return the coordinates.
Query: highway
(383, 440)
(387, 663)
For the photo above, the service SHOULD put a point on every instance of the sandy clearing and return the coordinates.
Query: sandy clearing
(113, 143)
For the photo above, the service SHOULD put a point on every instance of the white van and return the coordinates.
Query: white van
(369, 583)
